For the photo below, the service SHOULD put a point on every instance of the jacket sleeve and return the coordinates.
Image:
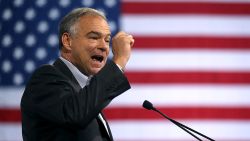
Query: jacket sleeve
(50, 96)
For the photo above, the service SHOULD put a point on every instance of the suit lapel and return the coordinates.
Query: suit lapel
(59, 64)
(66, 72)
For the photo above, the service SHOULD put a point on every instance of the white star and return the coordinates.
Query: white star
(52, 40)
(19, 27)
(18, 3)
(18, 53)
(30, 14)
(7, 40)
(18, 78)
(30, 40)
(42, 26)
(113, 26)
(110, 3)
(64, 3)
(54, 14)
(41, 3)
(87, 3)
(7, 14)
(41, 53)
(29, 66)
(6, 66)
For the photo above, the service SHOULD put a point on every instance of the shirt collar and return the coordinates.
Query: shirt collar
(80, 77)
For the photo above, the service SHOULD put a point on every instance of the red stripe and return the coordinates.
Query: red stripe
(189, 77)
(185, 8)
(14, 115)
(192, 42)
(242, 113)
(10, 115)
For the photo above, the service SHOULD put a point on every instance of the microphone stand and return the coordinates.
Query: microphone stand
(148, 105)
(184, 127)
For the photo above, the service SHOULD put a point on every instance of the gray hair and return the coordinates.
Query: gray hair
(68, 22)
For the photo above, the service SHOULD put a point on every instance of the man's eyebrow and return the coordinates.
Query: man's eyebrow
(97, 33)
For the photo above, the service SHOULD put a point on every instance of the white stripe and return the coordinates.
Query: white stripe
(155, 130)
(162, 60)
(10, 97)
(185, 95)
(10, 132)
(200, 1)
(163, 94)
(186, 25)
(164, 130)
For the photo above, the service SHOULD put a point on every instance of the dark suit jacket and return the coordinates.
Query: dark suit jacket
(55, 108)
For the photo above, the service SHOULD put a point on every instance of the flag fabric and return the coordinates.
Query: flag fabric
(191, 59)
(28, 39)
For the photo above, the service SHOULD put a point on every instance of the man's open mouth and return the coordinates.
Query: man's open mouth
(97, 58)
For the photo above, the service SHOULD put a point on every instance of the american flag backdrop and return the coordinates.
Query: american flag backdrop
(191, 59)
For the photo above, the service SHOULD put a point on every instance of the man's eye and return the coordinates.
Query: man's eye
(95, 38)
(108, 39)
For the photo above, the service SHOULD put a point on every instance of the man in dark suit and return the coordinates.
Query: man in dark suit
(64, 101)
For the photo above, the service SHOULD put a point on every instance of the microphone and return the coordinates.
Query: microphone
(148, 105)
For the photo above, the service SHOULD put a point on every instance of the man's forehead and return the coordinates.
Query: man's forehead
(92, 19)
(91, 23)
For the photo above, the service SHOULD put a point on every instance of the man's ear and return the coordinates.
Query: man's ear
(66, 41)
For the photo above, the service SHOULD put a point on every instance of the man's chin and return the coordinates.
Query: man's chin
(95, 67)
(95, 70)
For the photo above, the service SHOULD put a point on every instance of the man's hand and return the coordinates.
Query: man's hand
(121, 48)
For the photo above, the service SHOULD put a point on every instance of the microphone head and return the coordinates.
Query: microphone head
(148, 105)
